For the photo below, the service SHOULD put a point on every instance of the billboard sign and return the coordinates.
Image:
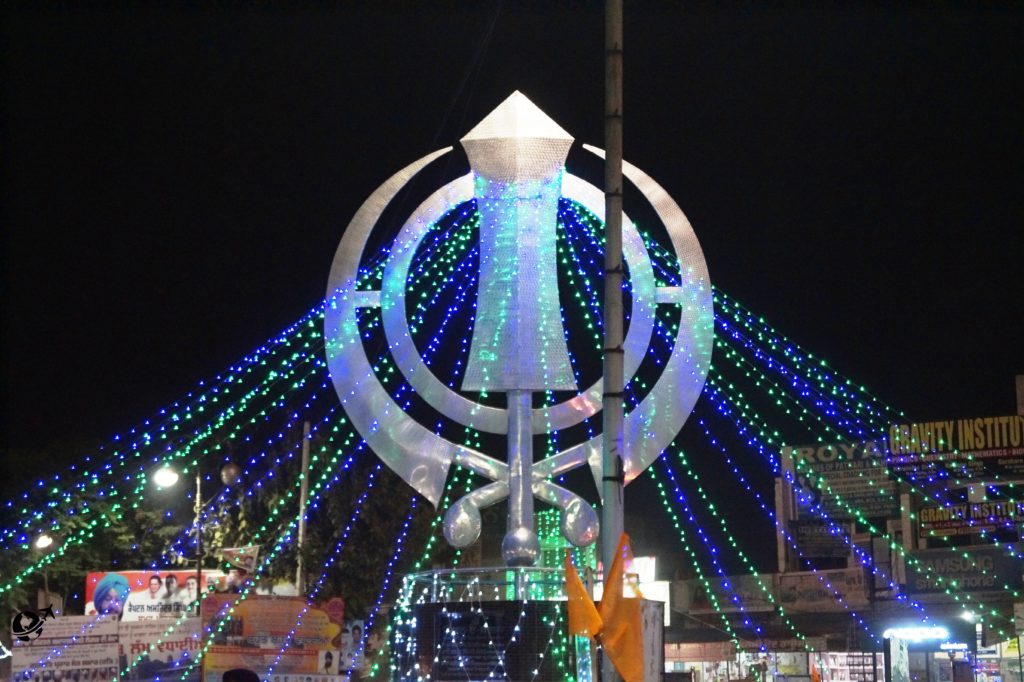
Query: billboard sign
(145, 595)
(823, 590)
(841, 477)
(967, 518)
(974, 449)
(287, 665)
(819, 539)
(746, 591)
(269, 622)
(69, 647)
(149, 652)
(986, 569)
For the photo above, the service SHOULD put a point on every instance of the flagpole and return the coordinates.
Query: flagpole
(614, 381)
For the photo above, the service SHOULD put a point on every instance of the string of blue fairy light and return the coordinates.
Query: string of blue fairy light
(964, 599)
(817, 509)
(767, 509)
(173, 626)
(339, 546)
(141, 437)
(831, 408)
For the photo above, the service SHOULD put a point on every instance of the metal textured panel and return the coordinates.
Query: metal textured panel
(410, 450)
(517, 154)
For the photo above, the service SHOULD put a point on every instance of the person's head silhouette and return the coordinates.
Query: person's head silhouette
(240, 675)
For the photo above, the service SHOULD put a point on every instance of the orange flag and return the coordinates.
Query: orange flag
(583, 616)
(621, 635)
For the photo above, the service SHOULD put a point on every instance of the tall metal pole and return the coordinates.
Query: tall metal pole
(200, 588)
(199, 539)
(300, 562)
(614, 382)
(1020, 662)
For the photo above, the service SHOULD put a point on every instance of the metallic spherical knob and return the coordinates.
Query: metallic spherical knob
(520, 547)
(230, 474)
(580, 524)
(462, 524)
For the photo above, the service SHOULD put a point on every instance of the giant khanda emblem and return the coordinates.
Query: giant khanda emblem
(517, 155)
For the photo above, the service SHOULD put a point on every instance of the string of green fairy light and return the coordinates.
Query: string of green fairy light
(811, 367)
(672, 327)
(320, 486)
(779, 525)
(136, 495)
(452, 259)
(733, 544)
(434, 271)
(280, 372)
(688, 546)
(55, 526)
(60, 550)
(949, 587)
(174, 625)
(857, 406)
(783, 395)
(455, 253)
(404, 595)
(786, 350)
(63, 490)
(814, 368)
(588, 222)
(155, 435)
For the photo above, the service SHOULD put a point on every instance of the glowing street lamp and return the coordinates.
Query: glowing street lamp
(166, 477)
(43, 542)
(44, 545)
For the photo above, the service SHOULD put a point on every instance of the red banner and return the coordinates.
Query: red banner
(145, 595)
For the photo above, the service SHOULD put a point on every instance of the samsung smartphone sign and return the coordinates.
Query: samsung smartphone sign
(986, 569)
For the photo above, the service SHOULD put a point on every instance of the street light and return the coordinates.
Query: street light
(44, 545)
(167, 476)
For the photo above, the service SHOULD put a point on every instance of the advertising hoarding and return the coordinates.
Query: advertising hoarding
(149, 652)
(69, 647)
(264, 625)
(260, 621)
(290, 665)
(969, 449)
(981, 569)
(822, 590)
(145, 594)
(819, 539)
(841, 477)
(967, 518)
(690, 596)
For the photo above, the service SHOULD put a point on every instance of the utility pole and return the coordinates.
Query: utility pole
(614, 381)
(300, 562)
(199, 540)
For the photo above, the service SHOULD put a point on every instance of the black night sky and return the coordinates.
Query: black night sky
(177, 176)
